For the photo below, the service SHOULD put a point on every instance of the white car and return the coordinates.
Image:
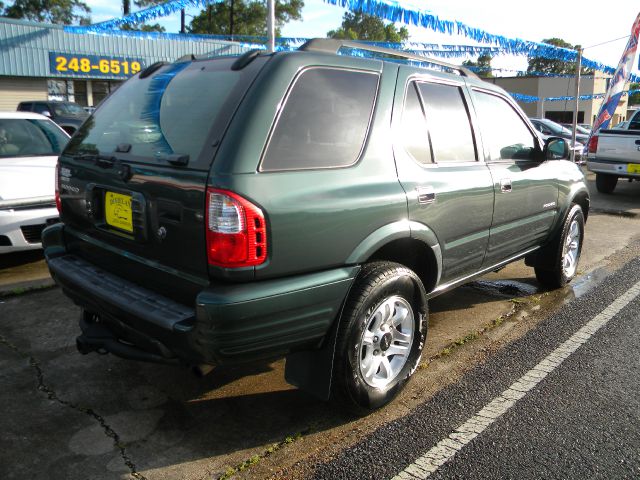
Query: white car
(29, 149)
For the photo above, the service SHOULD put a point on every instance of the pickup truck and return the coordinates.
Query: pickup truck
(614, 154)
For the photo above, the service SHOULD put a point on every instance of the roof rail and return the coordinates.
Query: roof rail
(332, 45)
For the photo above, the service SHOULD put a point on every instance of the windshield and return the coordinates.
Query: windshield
(30, 137)
(68, 108)
(171, 112)
(557, 129)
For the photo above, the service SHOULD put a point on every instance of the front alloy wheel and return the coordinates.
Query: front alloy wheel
(558, 261)
(571, 250)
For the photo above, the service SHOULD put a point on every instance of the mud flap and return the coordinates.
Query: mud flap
(312, 370)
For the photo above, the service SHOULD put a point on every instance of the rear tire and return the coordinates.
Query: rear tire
(558, 261)
(380, 337)
(606, 183)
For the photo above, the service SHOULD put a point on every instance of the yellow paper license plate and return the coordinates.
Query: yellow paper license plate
(117, 210)
(633, 167)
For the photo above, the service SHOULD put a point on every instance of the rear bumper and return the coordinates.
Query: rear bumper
(227, 323)
(616, 168)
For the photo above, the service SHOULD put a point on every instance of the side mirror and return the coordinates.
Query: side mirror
(556, 148)
(47, 113)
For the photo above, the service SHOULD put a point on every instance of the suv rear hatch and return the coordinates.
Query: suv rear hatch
(132, 181)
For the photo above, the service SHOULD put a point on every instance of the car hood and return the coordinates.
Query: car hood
(27, 177)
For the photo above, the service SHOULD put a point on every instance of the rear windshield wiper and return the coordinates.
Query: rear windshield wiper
(100, 159)
(177, 159)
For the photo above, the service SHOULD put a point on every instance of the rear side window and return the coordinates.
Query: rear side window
(414, 132)
(324, 121)
(24, 107)
(449, 124)
(504, 134)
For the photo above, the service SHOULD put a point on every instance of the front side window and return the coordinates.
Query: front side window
(449, 124)
(504, 134)
(324, 121)
(30, 137)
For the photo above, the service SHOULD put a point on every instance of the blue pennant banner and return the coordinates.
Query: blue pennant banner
(396, 11)
(532, 99)
(392, 10)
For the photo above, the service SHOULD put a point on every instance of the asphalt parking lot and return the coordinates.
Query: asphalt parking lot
(70, 416)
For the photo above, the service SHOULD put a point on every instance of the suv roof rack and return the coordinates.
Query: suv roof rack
(332, 45)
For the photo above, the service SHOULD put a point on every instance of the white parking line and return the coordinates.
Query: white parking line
(446, 448)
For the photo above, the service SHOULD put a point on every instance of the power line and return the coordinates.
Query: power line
(608, 41)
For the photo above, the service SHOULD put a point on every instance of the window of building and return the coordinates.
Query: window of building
(324, 121)
(80, 89)
(60, 90)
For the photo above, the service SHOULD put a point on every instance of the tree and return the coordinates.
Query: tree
(126, 10)
(360, 26)
(482, 65)
(634, 98)
(244, 17)
(63, 12)
(547, 65)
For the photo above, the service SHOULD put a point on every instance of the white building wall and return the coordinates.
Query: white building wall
(14, 90)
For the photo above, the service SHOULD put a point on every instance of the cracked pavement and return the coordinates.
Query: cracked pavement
(51, 395)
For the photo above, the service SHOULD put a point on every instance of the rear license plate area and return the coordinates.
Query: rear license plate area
(118, 211)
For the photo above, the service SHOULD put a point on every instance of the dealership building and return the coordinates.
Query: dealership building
(43, 62)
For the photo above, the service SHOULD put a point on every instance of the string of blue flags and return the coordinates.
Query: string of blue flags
(392, 10)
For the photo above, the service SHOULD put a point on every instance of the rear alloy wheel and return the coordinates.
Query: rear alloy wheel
(559, 260)
(606, 183)
(380, 337)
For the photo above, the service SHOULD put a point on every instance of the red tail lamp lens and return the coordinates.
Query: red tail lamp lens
(236, 230)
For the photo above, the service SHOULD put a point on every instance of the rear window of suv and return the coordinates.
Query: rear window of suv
(171, 112)
(324, 120)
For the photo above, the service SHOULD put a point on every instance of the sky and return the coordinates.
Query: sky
(577, 23)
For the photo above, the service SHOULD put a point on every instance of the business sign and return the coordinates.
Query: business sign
(70, 64)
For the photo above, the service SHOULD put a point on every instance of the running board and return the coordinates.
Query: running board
(455, 283)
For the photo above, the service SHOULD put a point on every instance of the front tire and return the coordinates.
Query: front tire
(606, 183)
(559, 260)
(380, 337)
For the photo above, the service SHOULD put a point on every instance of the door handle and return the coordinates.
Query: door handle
(505, 185)
(426, 194)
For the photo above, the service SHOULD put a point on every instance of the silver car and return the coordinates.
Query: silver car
(29, 147)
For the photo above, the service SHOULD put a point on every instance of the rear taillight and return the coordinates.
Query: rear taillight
(593, 144)
(236, 230)
(57, 188)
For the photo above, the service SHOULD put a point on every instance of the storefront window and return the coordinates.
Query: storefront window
(60, 90)
(80, 88)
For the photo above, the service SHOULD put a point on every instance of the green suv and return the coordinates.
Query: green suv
(302, 204)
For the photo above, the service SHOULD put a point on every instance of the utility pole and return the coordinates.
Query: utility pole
(271, 26)
(231, 20)
(575, 110)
